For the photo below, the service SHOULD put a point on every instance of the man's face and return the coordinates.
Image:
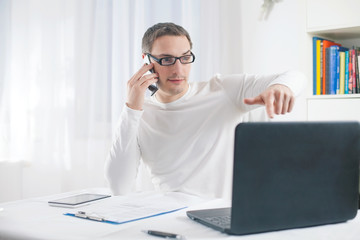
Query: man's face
(173, 79)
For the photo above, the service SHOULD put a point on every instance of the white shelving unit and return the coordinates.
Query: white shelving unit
(338, 21)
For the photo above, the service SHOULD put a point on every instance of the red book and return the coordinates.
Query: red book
(351, 82)
(326, 44)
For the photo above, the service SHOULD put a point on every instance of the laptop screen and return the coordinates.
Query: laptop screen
(294, 174)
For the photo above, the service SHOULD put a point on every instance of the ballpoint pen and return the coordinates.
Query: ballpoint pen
(164, 234)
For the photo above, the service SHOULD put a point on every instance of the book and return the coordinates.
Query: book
(325, 82)
(351, 83)
(353, 63)
(327, 74)
(342, 68)
(331, 71)
(315, 65)
(337, 87)
(322, 73)
(346, 80)
(358, 74)
(357, 69)
(352, 69)
(318, 66)
(342, 73)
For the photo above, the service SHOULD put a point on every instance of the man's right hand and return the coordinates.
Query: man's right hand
(137, 86)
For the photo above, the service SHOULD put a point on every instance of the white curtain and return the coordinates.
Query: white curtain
(64, 65)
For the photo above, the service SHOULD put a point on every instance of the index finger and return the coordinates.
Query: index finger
(141, 72)
(255, 100)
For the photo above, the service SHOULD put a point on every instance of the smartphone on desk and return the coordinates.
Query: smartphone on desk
(153, 87)
(78, 200)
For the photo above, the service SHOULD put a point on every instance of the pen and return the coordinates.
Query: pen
(163, 234)
(94, 217)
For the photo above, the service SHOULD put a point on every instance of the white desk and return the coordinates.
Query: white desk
(34, 219)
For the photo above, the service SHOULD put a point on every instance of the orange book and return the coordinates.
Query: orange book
(326, 44)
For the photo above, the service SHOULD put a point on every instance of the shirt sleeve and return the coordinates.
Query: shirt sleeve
(240, 86)
(123, 160)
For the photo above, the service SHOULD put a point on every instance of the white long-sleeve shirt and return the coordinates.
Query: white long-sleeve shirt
(188, 144)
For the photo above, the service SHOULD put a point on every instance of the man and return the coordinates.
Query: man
(184, 133)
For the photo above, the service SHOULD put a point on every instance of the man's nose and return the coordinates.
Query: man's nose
(177, 65)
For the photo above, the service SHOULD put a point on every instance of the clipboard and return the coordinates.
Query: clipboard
(134, 207)
(98, 218)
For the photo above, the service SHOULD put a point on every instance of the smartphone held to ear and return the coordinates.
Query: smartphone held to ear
(153, 88)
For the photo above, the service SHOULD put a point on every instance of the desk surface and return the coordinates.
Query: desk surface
(34, 219)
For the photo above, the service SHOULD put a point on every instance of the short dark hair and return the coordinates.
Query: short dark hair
(159, 30)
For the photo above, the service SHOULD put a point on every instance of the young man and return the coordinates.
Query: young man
(184, 133)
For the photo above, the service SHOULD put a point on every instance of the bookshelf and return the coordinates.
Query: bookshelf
(338, 21)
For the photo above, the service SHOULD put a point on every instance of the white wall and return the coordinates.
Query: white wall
(277, 44)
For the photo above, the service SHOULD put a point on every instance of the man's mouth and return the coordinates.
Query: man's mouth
(176, 79)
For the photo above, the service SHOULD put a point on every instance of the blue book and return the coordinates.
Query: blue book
(327, 71)
(337, 71)
(331, 51)
(346, 72)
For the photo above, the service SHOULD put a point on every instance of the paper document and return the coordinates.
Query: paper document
(123, 209)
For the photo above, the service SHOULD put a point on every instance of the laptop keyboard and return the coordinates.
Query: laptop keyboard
(222, 221)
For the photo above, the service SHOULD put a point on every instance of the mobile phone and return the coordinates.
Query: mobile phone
(77, 200)
(153, 87)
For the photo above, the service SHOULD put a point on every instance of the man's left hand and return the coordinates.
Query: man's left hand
(278, 99)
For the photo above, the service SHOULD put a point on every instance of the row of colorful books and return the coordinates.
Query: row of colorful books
(335, 68)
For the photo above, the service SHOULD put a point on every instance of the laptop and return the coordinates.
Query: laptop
(290, 175)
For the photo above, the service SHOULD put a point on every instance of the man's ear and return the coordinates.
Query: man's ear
(143, 55)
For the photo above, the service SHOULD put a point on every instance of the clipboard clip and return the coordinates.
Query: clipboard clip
(90, 216)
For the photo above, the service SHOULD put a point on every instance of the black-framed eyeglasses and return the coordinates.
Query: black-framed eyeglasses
(167, 61)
